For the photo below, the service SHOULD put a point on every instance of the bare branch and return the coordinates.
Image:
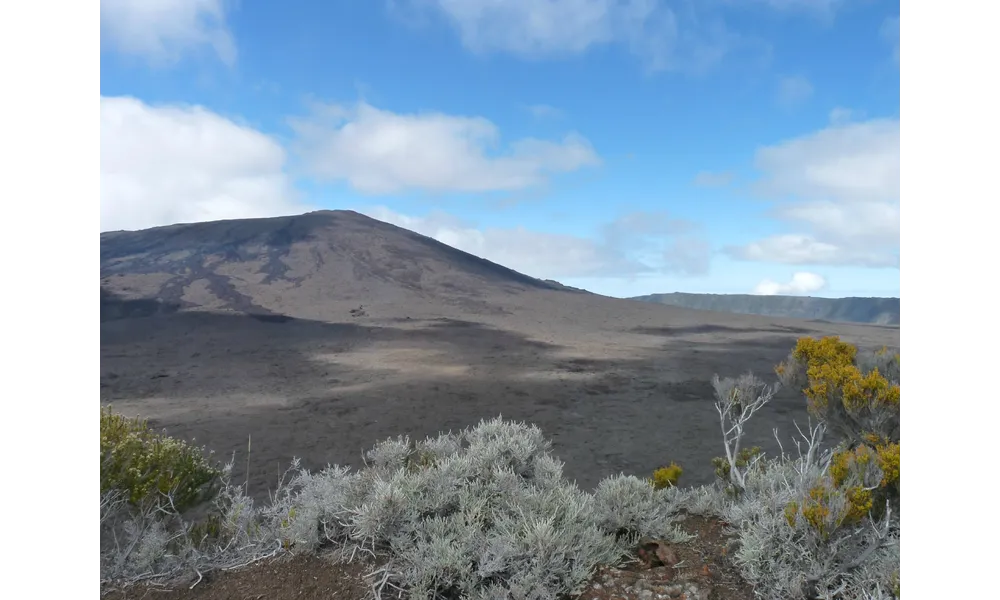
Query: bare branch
(736, 401)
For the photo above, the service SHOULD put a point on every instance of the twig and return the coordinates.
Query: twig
(378, 587)
(199, 579)
(248, 465)
(254, 560)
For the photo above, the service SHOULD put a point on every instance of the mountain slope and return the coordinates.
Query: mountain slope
(880, 311)
(299, 265)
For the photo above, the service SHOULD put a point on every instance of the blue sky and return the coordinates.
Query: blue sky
(624, 146)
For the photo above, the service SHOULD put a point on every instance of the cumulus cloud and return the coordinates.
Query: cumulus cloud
(379, 152)
(709, 179)
(162, 31)
(556, 256)
(175, 164)
(794, 90)
(800, 284)
(840, 188)
(852, 162)
(664, 38)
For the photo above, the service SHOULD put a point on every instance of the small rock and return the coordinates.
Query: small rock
(655, 553)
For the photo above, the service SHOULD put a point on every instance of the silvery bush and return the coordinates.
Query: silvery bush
(483, 513)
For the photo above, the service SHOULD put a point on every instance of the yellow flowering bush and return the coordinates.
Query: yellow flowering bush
(145, 465)
(888, 461)
(857, 402)
(816, 510)
(666, 476)
(862, 403)
(826, 507)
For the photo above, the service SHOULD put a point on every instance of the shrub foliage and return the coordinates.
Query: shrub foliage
(667, 476)
(484, 513)
(149, 467)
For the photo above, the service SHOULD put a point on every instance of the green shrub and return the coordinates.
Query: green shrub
(744, 459)
(146, 466)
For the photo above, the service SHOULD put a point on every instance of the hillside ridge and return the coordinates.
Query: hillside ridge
(870, 310)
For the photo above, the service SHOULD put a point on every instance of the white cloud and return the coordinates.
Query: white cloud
(890, 34)
(709, 179)
(799, 249)
(161, 31)
(801, 283)
(177, 164)
(561, 256)
(794, 90)
(663, 37)
(857, 162)
(379, 152)
(861, 223)
(841, 185)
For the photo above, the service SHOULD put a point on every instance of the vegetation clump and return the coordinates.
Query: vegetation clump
(860, 400)
(667, 476)
(149, 467)
(744, 459)
(858, 397)
(482, 513)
